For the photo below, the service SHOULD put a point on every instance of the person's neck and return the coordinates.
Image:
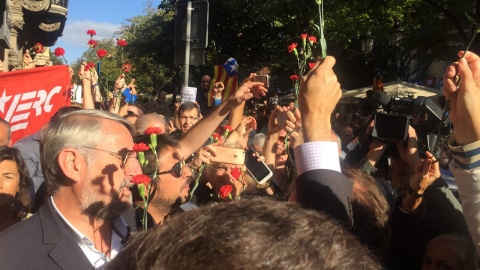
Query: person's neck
(157, 212)
(97, 230)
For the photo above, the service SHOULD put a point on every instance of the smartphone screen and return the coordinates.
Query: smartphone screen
(258, 169)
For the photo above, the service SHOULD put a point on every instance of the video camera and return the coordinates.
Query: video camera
(422, 113)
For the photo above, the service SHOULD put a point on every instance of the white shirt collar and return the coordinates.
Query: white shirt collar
(97, 258)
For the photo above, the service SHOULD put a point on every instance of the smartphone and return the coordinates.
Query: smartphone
(229, 155)
(263, 79)
(257, 169)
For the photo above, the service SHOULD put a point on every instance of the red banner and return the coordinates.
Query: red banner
(28, 98)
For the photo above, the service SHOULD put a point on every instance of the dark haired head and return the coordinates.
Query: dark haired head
(246, 234)
(22, 199)
(188, 106)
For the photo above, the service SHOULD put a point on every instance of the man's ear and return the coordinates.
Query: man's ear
(10, 143)
(71, 162)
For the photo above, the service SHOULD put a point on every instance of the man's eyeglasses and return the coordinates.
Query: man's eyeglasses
(191, 118)
(177, 169)
(123, 155)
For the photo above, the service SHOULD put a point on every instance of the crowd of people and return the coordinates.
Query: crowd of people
(338, 198)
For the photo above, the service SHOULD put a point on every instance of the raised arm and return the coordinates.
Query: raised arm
(465, 144)
(199, 133)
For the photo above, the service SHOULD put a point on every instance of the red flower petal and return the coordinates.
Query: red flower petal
(138, 147)
(236, 173)
(153, 130)
(225, 191)
(140, 179)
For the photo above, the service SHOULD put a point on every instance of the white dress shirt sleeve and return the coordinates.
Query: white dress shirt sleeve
(317, 155)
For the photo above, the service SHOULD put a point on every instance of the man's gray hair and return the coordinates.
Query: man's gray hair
(9, 130)
(144, 121)
(259, 139)
(76, 129)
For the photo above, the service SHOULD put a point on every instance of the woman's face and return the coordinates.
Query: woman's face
(222, 176)
(9, 179)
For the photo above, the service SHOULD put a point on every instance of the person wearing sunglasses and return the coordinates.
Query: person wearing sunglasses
(170, 185)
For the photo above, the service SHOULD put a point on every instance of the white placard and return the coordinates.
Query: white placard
(188, 94)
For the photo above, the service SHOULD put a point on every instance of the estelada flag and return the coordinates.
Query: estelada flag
(28, 98)
(227, 74)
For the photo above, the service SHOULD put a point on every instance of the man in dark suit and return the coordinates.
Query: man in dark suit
(320, 184)
(87, 164)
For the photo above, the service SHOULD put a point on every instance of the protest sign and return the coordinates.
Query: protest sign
(28, 98)
(188, 94)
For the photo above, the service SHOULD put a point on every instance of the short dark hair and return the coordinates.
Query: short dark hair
(163, 142)
(371, 212)
(22, 201)
(246, 234)
(188, 106)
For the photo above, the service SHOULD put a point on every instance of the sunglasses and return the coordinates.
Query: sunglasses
(177, 169)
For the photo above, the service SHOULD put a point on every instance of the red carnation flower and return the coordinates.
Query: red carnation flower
(218, 130)
(294, 78)
(59, 52)
(292, 47)
(126, 67)
(236, 173)
(140, 179)
(229, 128)
(101, 53)
(304, 36)
(121, 43)
(312, 39)
(92, 43)
(216, 137)
(311, 65)
(38, 48)
(138, 147)
(89, 66)
(225, 191)
(152, 130)
(91, 32)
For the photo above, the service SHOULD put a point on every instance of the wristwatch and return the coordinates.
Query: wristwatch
(413, 192)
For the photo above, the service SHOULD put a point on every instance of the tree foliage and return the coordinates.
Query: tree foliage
(256, 33)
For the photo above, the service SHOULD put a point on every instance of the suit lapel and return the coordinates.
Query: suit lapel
(66, 252)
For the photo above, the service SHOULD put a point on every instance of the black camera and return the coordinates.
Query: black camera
(422, 113)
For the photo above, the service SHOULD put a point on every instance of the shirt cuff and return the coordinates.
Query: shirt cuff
(317, 155)
(467, 156)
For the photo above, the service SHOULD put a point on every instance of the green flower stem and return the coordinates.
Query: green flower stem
(200, 171)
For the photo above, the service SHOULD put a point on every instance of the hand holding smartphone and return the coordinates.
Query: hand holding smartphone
(229, 155)
(257, 168)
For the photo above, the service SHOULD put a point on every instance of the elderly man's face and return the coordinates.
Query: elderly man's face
(188, 119)
(205, 83)
(4, 141)
(104, 188)
(223, 176)
(171, 188)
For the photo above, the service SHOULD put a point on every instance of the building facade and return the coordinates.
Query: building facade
(27, 22)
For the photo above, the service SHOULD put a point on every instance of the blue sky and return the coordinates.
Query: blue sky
(103, 16)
